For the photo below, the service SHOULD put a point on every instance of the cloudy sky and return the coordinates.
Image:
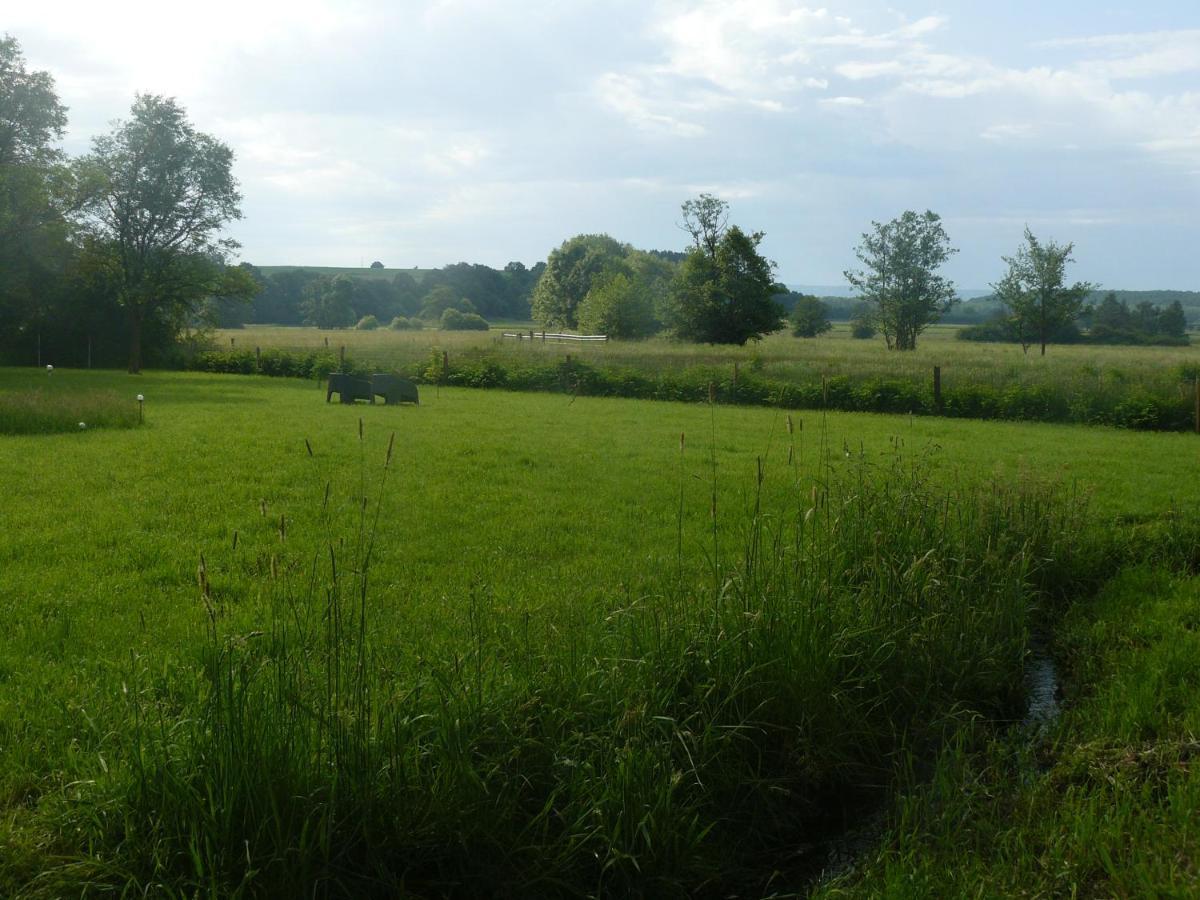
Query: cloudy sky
(421, 134)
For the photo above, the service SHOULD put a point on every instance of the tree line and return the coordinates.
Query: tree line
(299, 296)
(119, 252)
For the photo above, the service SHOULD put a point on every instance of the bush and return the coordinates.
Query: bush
(367, 323)
(453, 320)
(400, 323)
(861, 329)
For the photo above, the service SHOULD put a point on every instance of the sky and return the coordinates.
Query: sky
(422, 134)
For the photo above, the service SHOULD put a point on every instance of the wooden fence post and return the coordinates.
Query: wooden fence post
(342, 356)
(258, 357)
(326, 342)
(231, 343)
(937, 388)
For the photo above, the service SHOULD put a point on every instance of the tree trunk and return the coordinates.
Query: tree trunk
(135, 342)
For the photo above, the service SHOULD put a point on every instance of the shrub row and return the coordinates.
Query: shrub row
(1135, 406)
(275, 363)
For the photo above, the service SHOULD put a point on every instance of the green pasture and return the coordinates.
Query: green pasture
(547, 579)
(779, 356)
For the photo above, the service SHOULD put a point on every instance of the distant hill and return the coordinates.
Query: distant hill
(844, 290)
(384, 274)
(979, 305)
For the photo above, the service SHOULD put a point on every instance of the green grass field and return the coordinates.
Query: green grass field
(561, 663)
(779, 356)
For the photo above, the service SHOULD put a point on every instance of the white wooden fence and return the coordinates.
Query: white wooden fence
(545, 336)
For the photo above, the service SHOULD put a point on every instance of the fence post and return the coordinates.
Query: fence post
(231, 343)
(258, 357)
(937, 388)
(530, 335)
(326, 342)
(543, 337)
(342, 356)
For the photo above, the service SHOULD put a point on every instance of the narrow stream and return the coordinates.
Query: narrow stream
(1042, 710)
(1041, 683)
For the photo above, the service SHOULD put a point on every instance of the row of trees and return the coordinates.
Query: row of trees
(307, 297)
(720, 291)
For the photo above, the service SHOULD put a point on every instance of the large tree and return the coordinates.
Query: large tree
(900, 282)
(809, 317)
(1034, 292)
(155, 195)
(34, 249)
(570, 272)
(726, 296)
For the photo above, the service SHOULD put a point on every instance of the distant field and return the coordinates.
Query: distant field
(547, 535)
(778, 355)
(1140, 387)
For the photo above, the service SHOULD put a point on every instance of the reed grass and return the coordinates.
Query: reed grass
(661, 744)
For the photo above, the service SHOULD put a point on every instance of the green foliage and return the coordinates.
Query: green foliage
(571, 270)
(34, 187)
(453, 320)
(809, 317)
(367, 323)
(273, 362)
(1035, 294)
(328, 302)
(900, 283)
(727, 297)
(400, 323)
(441, 299)
(153, 196)
(861, 329)
(619, 306)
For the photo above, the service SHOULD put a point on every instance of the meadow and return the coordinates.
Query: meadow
(515, 643)
(1137, 387)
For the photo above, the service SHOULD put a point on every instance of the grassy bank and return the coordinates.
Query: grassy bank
(1102, 802)
(534, 658)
